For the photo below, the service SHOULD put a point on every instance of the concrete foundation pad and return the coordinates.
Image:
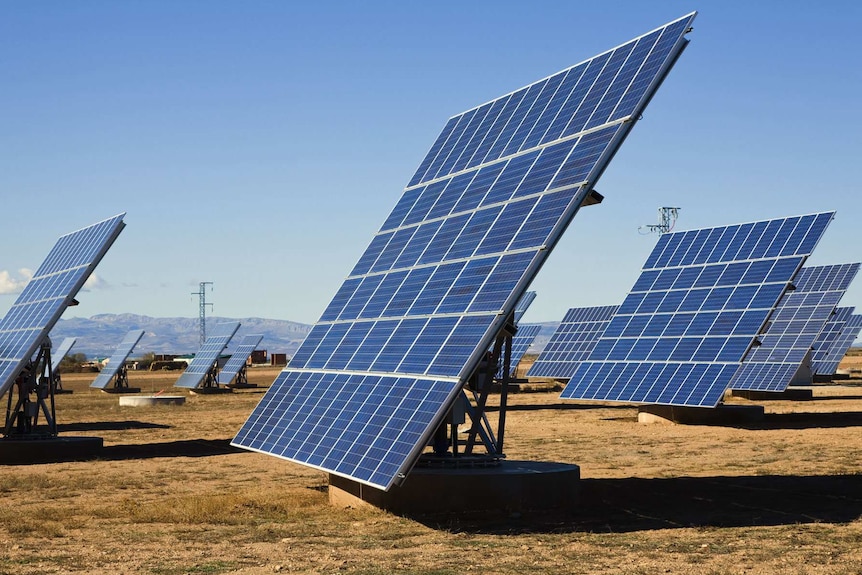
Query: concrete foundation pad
(513, 486)
(142, 400)
(14, 451)
(121, 390)
(789, 394)
(721, 415)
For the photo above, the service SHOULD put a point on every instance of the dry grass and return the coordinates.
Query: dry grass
(171, 497)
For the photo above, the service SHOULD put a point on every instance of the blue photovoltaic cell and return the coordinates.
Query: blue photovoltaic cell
(207, 355)
(524, 305)
(51, 289)
(118, 358)
(794, 326)
(58, 354)
(572, 342)
(820, 360)
(444, 272)
(238, 358)
(827, 362)
(521, 342)
(702, 298)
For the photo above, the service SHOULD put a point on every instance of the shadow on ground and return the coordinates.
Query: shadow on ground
(185, 448)
(634, 504)
(108, 426)
(806, 420)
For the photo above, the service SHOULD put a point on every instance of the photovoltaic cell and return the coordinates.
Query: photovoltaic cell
(702, 298)
(444, 272)
(794, 326)
(118, 358)
(49, 292)
(217, 339)
(521, 342)
(58, 354)
(238, 358)
(820, 360)
(572, 342)
(826, 363)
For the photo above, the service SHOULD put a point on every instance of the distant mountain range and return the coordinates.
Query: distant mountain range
(99, 335)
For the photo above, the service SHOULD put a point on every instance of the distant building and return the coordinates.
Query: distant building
(278, 359)
(258, 356)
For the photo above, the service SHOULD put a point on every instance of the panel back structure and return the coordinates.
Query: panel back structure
(61, 352)
(701, 300)
(572, 342)
(820, 360)
(409, 326)
(49, 292)
(206, 357)
(799, 318)
(838, 346)
(238, 358)
(118, 359)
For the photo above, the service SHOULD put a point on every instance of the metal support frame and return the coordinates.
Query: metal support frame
(241, 377)
(211, 379)
(449, 449)
(121, 379)
(35, 395)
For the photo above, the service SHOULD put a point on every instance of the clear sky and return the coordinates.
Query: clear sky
(259, 145)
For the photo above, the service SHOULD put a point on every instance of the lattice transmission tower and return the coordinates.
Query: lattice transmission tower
(202, 299)
(666, 219)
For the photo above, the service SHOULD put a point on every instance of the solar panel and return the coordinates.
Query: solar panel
(521, 342)
(702, 298)
(58, 354)
(572, 342)
(238, 358)
(820, 355)
(207, 355)
(524, 305)
(49, 292)
(410, 324)
(118, 358)
(839, 346)
(794, 326)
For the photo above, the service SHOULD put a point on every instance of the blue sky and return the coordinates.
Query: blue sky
(259, 145)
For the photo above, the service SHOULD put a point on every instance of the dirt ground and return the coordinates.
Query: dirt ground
(170, 496)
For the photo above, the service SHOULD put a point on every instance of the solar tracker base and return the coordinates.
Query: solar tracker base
(823, 378)
(14, 451)
(719, 415)
(787, 395)
(511, 486)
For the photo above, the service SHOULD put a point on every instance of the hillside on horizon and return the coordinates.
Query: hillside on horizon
(99, 335)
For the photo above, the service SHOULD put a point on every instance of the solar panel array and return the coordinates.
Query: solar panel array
(410, 324)
(118, 358)
(521, 343)
(238, 358)
(702, 298)
(217, 339)
(62, 351)
(49, 292)
(794, 326)
(572, 342)
(821, 354)
(827, 363)
(524, 305)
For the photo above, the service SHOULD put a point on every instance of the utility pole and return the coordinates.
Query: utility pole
(666, 219)
(202, 298)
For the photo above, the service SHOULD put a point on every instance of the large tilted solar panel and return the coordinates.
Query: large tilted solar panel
(238, 358)
(702, 298)
(839, 346)
(521, 343)
(49, 292)
(62, 351)
(217, 339)
(820, 355)
(572, 342)
(118, 358)
(524, 305)
(437, 282)
(794, 326)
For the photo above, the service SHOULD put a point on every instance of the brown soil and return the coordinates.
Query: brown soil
(170, 496)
